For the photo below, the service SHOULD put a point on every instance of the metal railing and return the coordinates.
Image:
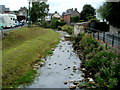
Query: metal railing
(106, 37)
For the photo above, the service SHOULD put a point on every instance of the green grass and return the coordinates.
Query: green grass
(23, 47)
(27, 78)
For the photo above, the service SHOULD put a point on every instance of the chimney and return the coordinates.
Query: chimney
(55, 11)
(75, 9)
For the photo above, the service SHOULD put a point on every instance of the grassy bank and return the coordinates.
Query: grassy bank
(101, 63)
(21, 48)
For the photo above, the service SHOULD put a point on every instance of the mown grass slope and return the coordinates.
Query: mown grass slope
(21, 48)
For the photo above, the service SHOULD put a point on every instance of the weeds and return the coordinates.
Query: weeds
(101, 61)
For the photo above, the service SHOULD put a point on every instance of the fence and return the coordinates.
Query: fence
(106, 37)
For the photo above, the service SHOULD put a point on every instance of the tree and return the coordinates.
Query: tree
(39, 10)
(110, 11)
(87, 13)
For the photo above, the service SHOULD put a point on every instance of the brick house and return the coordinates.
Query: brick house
(70, 13)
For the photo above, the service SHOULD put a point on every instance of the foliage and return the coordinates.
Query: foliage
(110, 11)
(75, 19)
(59, 28)
(87, 13)
(55, 23)
(94, 20)
(81, 20)
(102, 62)
(38, 11)
(45, 24)
(68, 29)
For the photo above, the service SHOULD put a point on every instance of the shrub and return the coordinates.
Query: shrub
(59, 28)
(45, 24)
(102, 62)
(68, 29)
(55, 23)
(94, 20)
(81, 20)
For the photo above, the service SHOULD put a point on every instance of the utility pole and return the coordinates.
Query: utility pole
(29, 14)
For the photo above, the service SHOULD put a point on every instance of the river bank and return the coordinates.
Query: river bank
(21, 49)
(101, 64)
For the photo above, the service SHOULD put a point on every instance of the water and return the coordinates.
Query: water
(59, 67)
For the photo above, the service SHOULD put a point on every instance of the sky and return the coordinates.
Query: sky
(54, 5)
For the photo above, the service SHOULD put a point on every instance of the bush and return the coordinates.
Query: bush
(94, 20)
(103, 64)
(81, 20)
(45, 24)
(55, 23)
(68, 29)
(59, 28)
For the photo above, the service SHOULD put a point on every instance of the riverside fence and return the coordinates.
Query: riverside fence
(106, 37)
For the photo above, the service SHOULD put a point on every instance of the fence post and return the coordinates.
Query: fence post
(93, 34)
(103, 36)
(112, 40)
(98, 35)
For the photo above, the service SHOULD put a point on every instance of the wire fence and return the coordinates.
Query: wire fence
(112, 39)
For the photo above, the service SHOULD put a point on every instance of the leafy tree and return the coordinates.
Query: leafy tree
(110, 11)
(87, 13)
(39, 10)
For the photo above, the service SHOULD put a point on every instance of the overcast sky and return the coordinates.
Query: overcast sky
(55, 5)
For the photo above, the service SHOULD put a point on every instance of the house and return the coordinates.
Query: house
(56, 15)
(22, 14)
(3, 9)
(48, 17)
(70, 13)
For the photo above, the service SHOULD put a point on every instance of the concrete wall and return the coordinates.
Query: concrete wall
(78, 28)
(114, 30)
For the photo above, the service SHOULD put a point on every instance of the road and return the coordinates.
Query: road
(6, 30)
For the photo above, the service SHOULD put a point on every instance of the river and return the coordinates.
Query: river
(62, 66)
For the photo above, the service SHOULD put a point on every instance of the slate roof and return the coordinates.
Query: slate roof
(69, 11)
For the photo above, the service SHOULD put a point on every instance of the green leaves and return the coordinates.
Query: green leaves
(103, 63)
(87, 12)
(110, 11)
(39, 10)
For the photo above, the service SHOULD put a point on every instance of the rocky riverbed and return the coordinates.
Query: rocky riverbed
(61, 70)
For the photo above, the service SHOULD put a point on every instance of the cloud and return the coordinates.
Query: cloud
(61, 6)
(55, 5)
(14, 4)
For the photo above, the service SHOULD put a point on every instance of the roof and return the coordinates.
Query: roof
(56, 15)
(70, 11)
